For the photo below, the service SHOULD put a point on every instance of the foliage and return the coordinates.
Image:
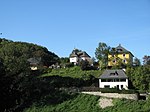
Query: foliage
(89, 103)
(101, 54)
(18, 84)
(84, 64)
(81, 103)
(123, 105)
(21, 87)
(136, 62)
(64, 60)
(11, 53)
(109, 90)
(146, 60)
(115, 90)
(139, 77)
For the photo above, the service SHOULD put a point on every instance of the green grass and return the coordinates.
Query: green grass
(82, 103)
(74, 72)
(123, 105)
(89, 103)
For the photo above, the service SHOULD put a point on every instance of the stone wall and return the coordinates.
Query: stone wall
(114, 95)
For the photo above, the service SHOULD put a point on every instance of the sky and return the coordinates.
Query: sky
(62, 25)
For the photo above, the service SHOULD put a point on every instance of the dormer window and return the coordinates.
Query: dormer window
(112, 74)
(116, 72)
(119, 50)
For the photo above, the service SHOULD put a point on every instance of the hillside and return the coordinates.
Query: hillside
(16, 77)
(89, 103)
(47, 89)
(11, 51)
(74, 72)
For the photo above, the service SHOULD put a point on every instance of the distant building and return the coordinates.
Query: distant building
(113, 79)
(120, 55)
(34, 63)
(77, 56)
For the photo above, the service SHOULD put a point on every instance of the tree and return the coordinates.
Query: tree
(101, 54)
(84, 64)
(64, 60)
(139, 77)
(146, 60)
(136, 62)
(18, 84)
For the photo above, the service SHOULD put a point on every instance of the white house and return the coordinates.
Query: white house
(77, 55)
(113, 78)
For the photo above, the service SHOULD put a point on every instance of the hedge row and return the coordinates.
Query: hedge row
(114, 90)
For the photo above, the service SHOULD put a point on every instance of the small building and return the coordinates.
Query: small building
(113, 79)
(120, 55)
(34, 63)
(77, 56)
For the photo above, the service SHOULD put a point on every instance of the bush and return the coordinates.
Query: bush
(115, 90)
(109, 90)
(130, 91)
(90, 89)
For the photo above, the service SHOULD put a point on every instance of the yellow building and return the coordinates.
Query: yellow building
(120, 55)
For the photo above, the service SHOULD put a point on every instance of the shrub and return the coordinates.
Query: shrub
(130, 91)
(109, 90)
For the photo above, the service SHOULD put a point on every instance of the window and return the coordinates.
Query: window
(121, 86)
(119, 50)
(124, 55)
(117, 86)
(112, 74)
(114, 61)
(107, 86)
(103, 80)
(110, 80)
(124, 61)
(122, 80)
(116, 80)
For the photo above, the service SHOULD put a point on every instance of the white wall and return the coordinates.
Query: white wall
(73, 60)
(114, 84)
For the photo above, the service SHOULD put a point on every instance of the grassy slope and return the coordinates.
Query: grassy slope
(89, 103)
(82, 103)
(74, 72)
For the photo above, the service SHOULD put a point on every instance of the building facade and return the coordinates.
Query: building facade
(113, 79)
(77, 56)
(120, 55)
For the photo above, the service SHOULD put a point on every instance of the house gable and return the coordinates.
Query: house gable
(113, 79)
(77, 55)
(120, 55)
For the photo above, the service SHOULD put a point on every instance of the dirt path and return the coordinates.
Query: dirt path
(105, 102)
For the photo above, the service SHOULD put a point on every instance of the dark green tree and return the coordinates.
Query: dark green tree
(84, 64)
(18, 84)
(136, 62)
(139, 77)
(101, 54)
(146, 60)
